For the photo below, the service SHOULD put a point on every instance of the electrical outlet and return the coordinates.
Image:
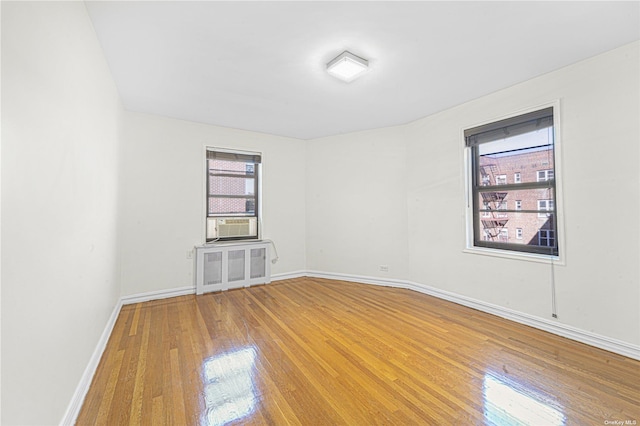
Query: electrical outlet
(383, 268)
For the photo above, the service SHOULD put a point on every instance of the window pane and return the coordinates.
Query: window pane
(518, 228)
(517, 159)
(232, 206)
(516, 217)
(535, 199)
(223, 185)
(239, 168)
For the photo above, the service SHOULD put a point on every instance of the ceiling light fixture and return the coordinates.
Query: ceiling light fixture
(347, 66)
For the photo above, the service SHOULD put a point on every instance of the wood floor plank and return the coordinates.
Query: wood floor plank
(311, 351)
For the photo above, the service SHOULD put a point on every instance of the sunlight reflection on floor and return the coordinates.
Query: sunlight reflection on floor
(505, 405)
(229, 390)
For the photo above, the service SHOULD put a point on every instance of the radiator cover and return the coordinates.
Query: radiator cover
(231, 265)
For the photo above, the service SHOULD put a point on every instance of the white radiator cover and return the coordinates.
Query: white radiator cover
(231, 265)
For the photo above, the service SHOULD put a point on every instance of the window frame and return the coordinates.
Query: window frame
(257, 195)
(545, 256)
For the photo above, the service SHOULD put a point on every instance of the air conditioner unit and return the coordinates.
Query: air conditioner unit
(233, 228)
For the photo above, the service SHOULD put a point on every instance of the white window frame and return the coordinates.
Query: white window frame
(468, 245)
(548, 206)
(518, 233)
(501, 179)
(546, 175)
(518, 205)
(517, 178)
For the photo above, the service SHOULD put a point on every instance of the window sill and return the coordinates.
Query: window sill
(513, 255)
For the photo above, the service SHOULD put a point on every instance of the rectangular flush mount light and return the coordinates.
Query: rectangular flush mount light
(347, 66)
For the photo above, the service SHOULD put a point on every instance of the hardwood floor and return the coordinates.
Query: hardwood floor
(319, 352)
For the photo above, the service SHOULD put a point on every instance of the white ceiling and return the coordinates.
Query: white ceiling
(260, 66)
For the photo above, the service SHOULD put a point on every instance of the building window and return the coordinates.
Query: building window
(486, 209)
(545, 175)
(545, 208)
(546, 238)
(233, 182)
(502, 206)
(494, 151)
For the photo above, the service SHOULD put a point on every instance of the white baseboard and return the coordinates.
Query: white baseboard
(358, 279)
(80, 393)
(564, 330)
(159, 294)
(288, 275)
(183, 291)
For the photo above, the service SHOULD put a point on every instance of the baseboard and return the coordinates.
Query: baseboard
(183, 291)
(288, 275)
(80, 393)
(573, 333)
(159, 294)
(359, 279)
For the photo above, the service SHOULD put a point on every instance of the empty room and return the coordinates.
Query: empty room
(320, 213)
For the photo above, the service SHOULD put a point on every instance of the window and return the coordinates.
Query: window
(517, 178)
(545, 206)
(486, 207)
(544, 175)
(546, 238)
(525, 143)
(499, 235)
(233, 180)
(502, 206)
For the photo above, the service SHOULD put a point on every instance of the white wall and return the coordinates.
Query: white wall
(163, 198)
(598, 289)
(60, 121)
(356, 204)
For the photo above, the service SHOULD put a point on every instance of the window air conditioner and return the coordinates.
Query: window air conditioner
(233, 228)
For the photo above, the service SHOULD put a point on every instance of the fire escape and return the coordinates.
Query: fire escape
(493, 220)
